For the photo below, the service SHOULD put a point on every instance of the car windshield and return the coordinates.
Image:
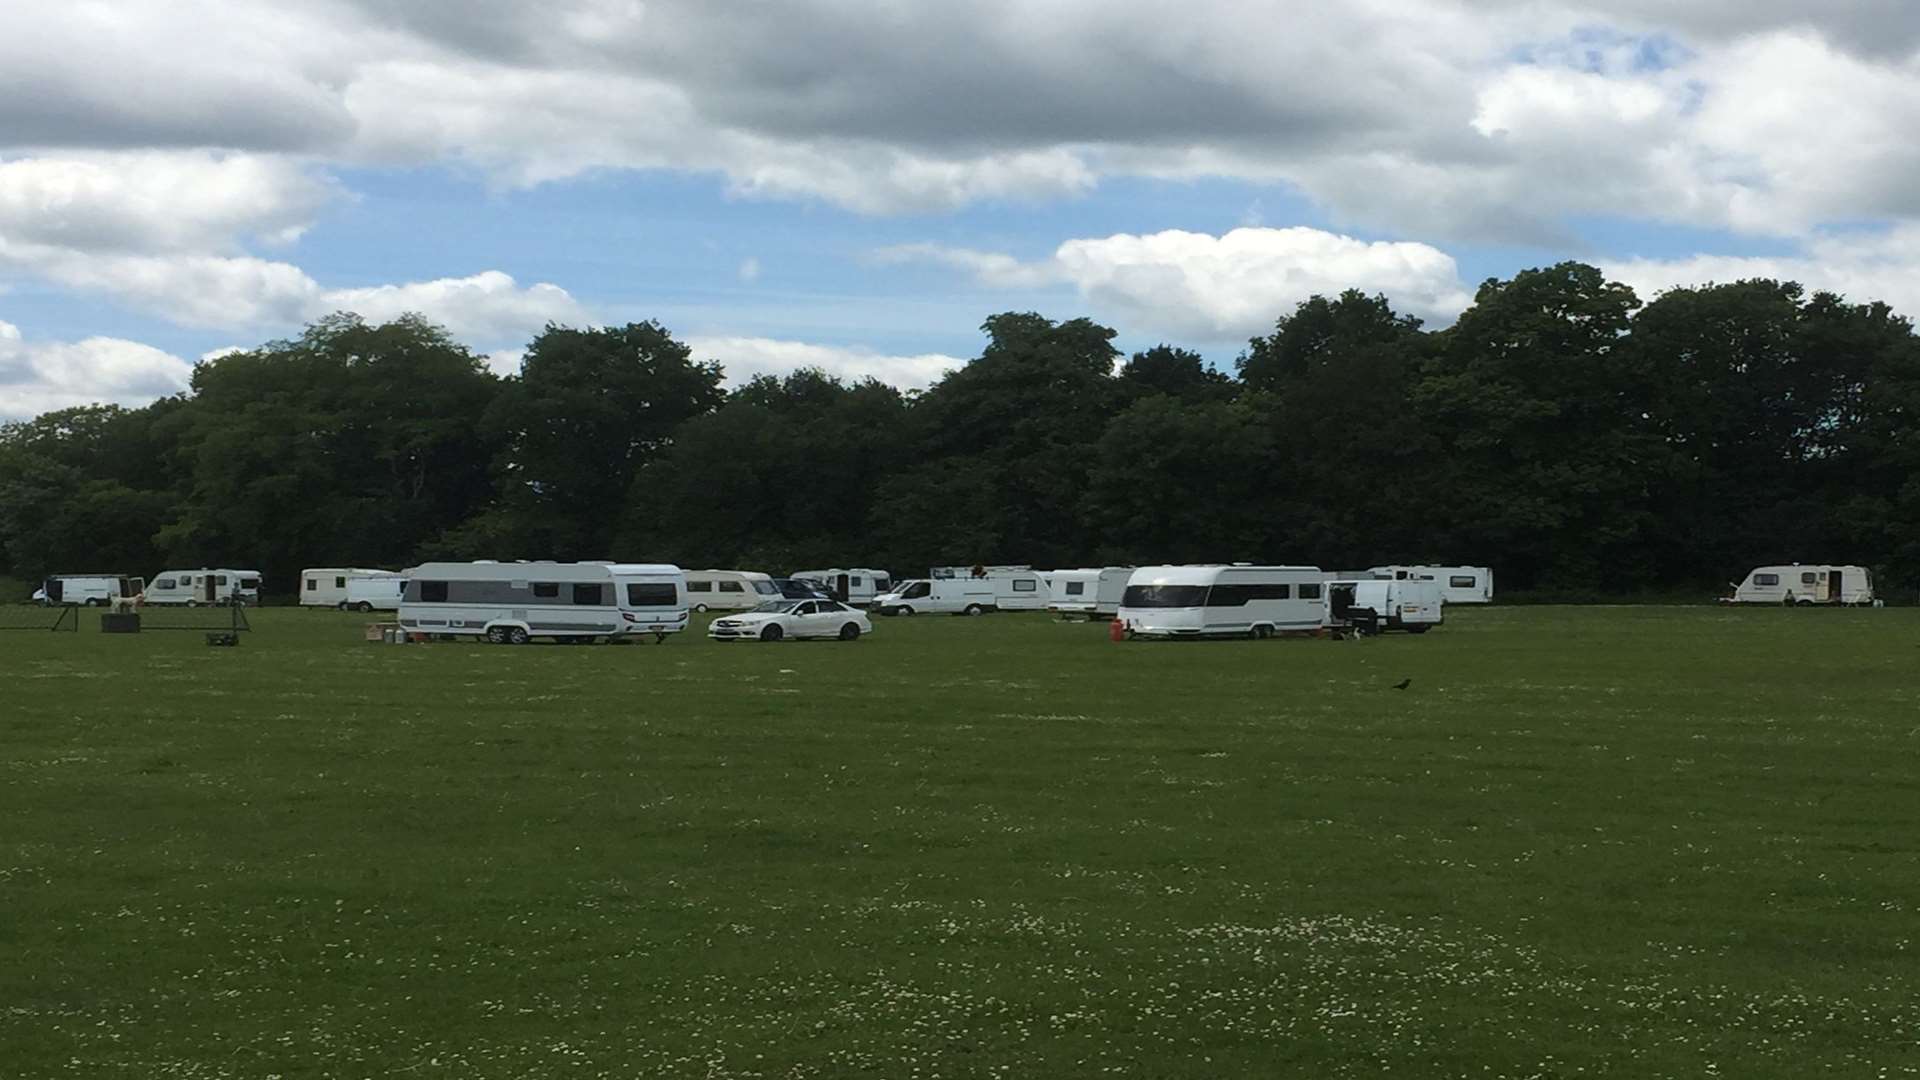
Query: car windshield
(776, 607)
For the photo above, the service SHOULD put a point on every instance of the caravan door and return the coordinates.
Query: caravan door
(1835, 595)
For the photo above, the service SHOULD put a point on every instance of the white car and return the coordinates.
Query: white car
(777, 620)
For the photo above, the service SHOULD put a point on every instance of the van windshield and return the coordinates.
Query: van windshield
(1164, 596)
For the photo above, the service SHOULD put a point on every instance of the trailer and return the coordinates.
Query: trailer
(1223, 601)
(86, 590)
(204, 588)
(1376, 605)
(729, 590)
(1458, 584)
(326, 586)
(511, 603)
(856, 586)
(1804, 585)
(1091, 592)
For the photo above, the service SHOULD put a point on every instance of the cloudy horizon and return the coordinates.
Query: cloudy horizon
(856, 186)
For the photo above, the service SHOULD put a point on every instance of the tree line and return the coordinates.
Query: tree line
(1562, 431)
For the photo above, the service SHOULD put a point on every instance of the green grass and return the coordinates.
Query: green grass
(1586, 841)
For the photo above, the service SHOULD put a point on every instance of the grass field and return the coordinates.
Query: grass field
(1585, 841)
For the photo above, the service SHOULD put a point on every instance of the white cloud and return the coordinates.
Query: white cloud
(1861, 266)
(37, 376)
(1195, 286)
(745, 357)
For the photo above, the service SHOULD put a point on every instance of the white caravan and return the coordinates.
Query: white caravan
(510, 603)
(1217, 601)
(1458, 584)
(1015, 588)
(1375, 605)
(195, 588)
(729, 590)
(1092, 592)
(326, 586)
(1813, 584)
(381, 593)
(856, 586)
(86, 590)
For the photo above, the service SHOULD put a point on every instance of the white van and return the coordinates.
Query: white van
(1458, 584)
(326, 586)
(729, 590)
(513, 602)
(1376, 605)
(940, 596)
(1821, 583)
(858, 586)
(195, 588)
(1220, 601)
(381, 593)
(86, 590)
(1092, 592)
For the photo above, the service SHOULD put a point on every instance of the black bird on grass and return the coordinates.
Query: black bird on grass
(1403, 684)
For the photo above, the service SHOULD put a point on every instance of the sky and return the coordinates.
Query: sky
(857, 185)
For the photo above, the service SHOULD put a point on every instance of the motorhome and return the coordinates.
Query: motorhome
(195, 588)
(1809, 584)
(86, 590)
(1092, 593)
(1458, 584)
(326, 586)
(513, 602)
(1223, 601)
(381, 593)
(1375, 605)
(1015, 588)
(729, 590)
(856, 586)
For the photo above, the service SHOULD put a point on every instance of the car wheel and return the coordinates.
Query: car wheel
(849, 632)
(974, 609)
(517, 636)
(772, 633)
(365, 606)
(903, 610)
(701, 608)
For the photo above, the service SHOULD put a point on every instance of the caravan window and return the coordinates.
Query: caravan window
(654, 594)
(1026, 584)
(340, 582)
(1808, 579)
(220, 579)
(1076, 588)
(433, 592)
(313, 584)
(1310, 591)
(163, 583)
(589, 595)
(731, 586)
(699, 586)
(1766, 579)
(546, 590)
(1240, 595)
(1164, 596)
(1462, 581)
(854, 581)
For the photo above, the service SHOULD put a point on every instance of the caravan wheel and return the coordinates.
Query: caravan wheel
(191, 602)
(517, 636)
(497, 635)
(366, 606)
(1261, 633)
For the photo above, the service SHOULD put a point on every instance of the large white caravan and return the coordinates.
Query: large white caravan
(86, 590)
(856, 586)
(1092, 592)
(729, 590)
(1216, 601)
(326, 586)
(1458, 584)
(514, 602)
(1811, 584)
(1374, 605)
(195, 588)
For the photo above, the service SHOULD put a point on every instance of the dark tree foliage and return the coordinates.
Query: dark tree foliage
(1559, 431)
